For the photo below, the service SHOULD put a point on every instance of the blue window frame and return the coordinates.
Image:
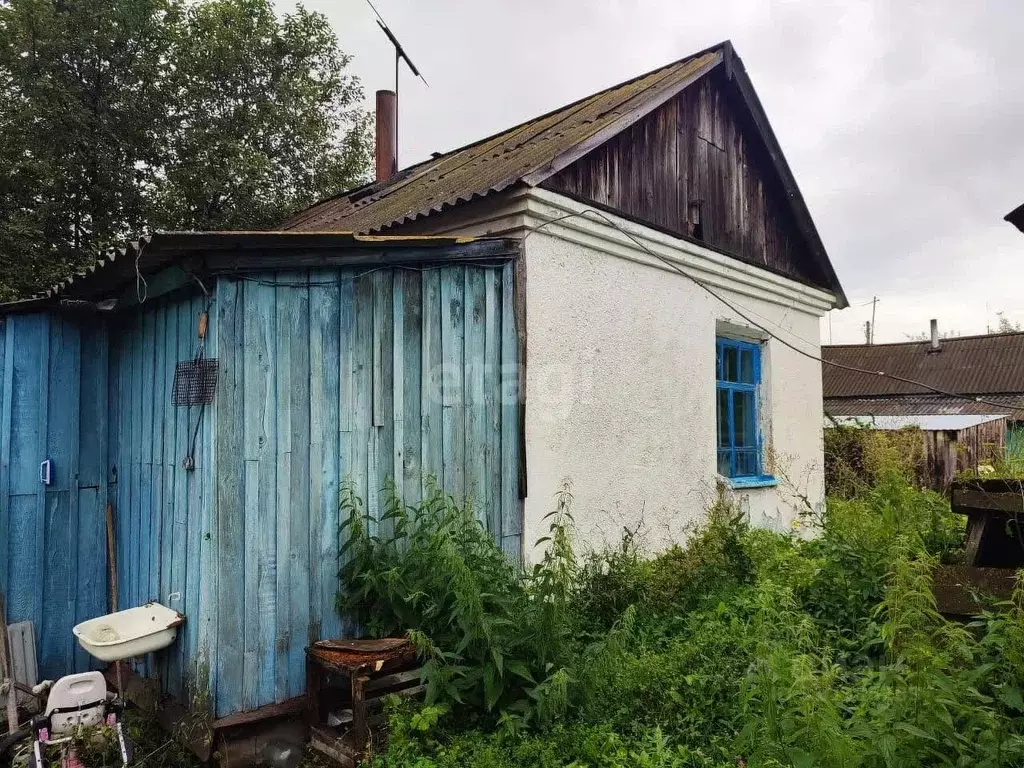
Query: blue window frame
(738, 365)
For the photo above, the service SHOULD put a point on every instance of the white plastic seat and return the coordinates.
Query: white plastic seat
(76, 700)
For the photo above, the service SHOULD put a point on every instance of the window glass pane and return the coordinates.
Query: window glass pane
(723, 418)
(747, 366)
(746, 462)
(744, 428)
(730, 365)
(723, 463)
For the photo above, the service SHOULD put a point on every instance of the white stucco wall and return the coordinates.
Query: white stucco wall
(621, 391)
(621, 371)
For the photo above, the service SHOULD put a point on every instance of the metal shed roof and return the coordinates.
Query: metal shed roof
(922, 405)
(226, 251)
(971, 365)
(929, 422)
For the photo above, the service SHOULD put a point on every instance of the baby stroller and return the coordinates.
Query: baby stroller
(74, 703)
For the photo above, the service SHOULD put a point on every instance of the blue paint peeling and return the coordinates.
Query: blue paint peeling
(325, 375)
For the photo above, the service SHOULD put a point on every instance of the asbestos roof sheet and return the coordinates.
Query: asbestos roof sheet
(497, 162)
(917, 405)
(929, 422)
(971, 365)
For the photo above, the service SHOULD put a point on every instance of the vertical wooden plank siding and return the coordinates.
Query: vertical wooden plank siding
(52, 569)
(6, 377)
(230, 495)
(325, 298)
(697, 148)
(333, 367)
(298, 624)
(411, 389)
(284, 300)
(474, 426)
(431, 379)
(61, 431)
(159, 531)
(327, 375)
(453, 415)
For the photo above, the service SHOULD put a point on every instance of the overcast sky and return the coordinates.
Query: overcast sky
(903, 121)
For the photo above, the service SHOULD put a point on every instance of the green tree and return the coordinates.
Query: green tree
(265, 119)
(117, 116)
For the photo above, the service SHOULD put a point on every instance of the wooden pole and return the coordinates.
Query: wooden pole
(111, 558)
(112, 579)
(7, 665)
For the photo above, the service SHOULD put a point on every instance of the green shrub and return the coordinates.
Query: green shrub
(493, 639)
(741, 647)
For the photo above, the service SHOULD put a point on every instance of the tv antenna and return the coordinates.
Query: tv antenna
(399, 50)
(400, 54)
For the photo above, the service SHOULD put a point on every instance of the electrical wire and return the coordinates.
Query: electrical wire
(853, 369)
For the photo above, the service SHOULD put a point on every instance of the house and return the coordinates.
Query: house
(666, 246)
(969, 377)
(978, 374)
(625, 292)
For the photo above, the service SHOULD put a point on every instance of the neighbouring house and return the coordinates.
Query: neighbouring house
(986, 373)
(611, 292)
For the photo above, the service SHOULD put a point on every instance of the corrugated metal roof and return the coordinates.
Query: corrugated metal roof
(972, 365)
(497, 162)
(915, 405)
(930, 422)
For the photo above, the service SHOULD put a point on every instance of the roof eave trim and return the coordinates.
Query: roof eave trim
(595, 140)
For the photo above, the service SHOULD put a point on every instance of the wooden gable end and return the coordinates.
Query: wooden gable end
(699, 149)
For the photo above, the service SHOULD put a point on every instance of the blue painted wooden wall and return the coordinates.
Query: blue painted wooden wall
(324, 375)
(163, 511)
(53, 383)
(351, 373)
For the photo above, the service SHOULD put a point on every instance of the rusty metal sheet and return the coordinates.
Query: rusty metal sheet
(352, 655)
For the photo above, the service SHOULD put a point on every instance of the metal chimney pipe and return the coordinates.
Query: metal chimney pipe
(387, 134)
(935, 335)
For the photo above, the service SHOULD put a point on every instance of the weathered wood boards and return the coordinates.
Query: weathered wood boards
(333, 373)
(697, 152)
(52, 541)
(325, 374)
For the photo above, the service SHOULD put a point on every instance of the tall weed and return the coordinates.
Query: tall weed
(739, 648)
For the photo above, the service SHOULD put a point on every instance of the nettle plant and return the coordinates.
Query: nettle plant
(493, 638)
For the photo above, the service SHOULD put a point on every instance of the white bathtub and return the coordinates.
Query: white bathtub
(134, 632)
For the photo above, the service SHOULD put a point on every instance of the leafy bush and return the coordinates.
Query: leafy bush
(743, 647)
(492, 638)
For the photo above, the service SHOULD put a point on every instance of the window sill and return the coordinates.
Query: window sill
(761, 481)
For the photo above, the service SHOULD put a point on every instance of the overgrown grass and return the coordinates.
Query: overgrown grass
(743, 647)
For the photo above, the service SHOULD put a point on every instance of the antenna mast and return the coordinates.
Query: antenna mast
(400, 54)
